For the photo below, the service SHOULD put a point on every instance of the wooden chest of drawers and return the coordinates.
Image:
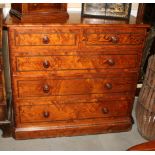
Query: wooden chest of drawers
(73, 78)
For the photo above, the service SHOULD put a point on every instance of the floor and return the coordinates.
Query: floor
(106, 142)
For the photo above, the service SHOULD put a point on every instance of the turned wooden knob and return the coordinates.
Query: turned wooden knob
(105, 110)
(46, 64)
(108, 85)
(111, 62)
(114, 39)
(46, 88)
(46, 40)
(35, 4)
(84, 38)
(46, 114)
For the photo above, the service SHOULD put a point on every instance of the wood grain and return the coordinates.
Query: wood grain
(73, 111)
(55, 87)
(74, 128)
(54, 39)
(74, 62)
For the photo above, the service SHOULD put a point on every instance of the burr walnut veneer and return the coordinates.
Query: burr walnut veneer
(73, 78)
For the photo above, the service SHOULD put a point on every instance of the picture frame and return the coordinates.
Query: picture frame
(106, 10)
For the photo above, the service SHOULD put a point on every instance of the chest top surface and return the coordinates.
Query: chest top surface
(74, 19)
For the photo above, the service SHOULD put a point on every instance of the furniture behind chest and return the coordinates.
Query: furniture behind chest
(146, 15)
(73, 78)
(40, 11)
(4, 116)
(2, 86)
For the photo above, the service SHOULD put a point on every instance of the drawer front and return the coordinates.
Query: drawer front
(46, 37)
(113, 37)
(62, 87)
(74, 62)
(73, 111)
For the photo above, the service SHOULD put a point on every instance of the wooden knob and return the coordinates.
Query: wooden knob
(46, 114)
(84, 38)
(46, 64)
(114, 39)
(46, 40)
(108, 85)
(35, 4)
(46, 88)
(105, 110)
(111, 62)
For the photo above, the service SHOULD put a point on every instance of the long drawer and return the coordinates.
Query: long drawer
(74, 62)
(73, 111)
(43, 87)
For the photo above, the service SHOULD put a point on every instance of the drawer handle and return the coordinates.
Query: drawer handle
(35, 4)
(108, 85)
(46, 88)
(114, 39)
(46, 40)
(84, 38)
(111, 62)
(105, 110)
(46, 64)
(46, 114)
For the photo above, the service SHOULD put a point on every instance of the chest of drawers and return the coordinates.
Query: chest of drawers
(73, 78)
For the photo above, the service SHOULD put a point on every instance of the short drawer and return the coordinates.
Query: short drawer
(75, 62)
(78, 86)
(72, 111)
(45, 37)
(113, 37)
